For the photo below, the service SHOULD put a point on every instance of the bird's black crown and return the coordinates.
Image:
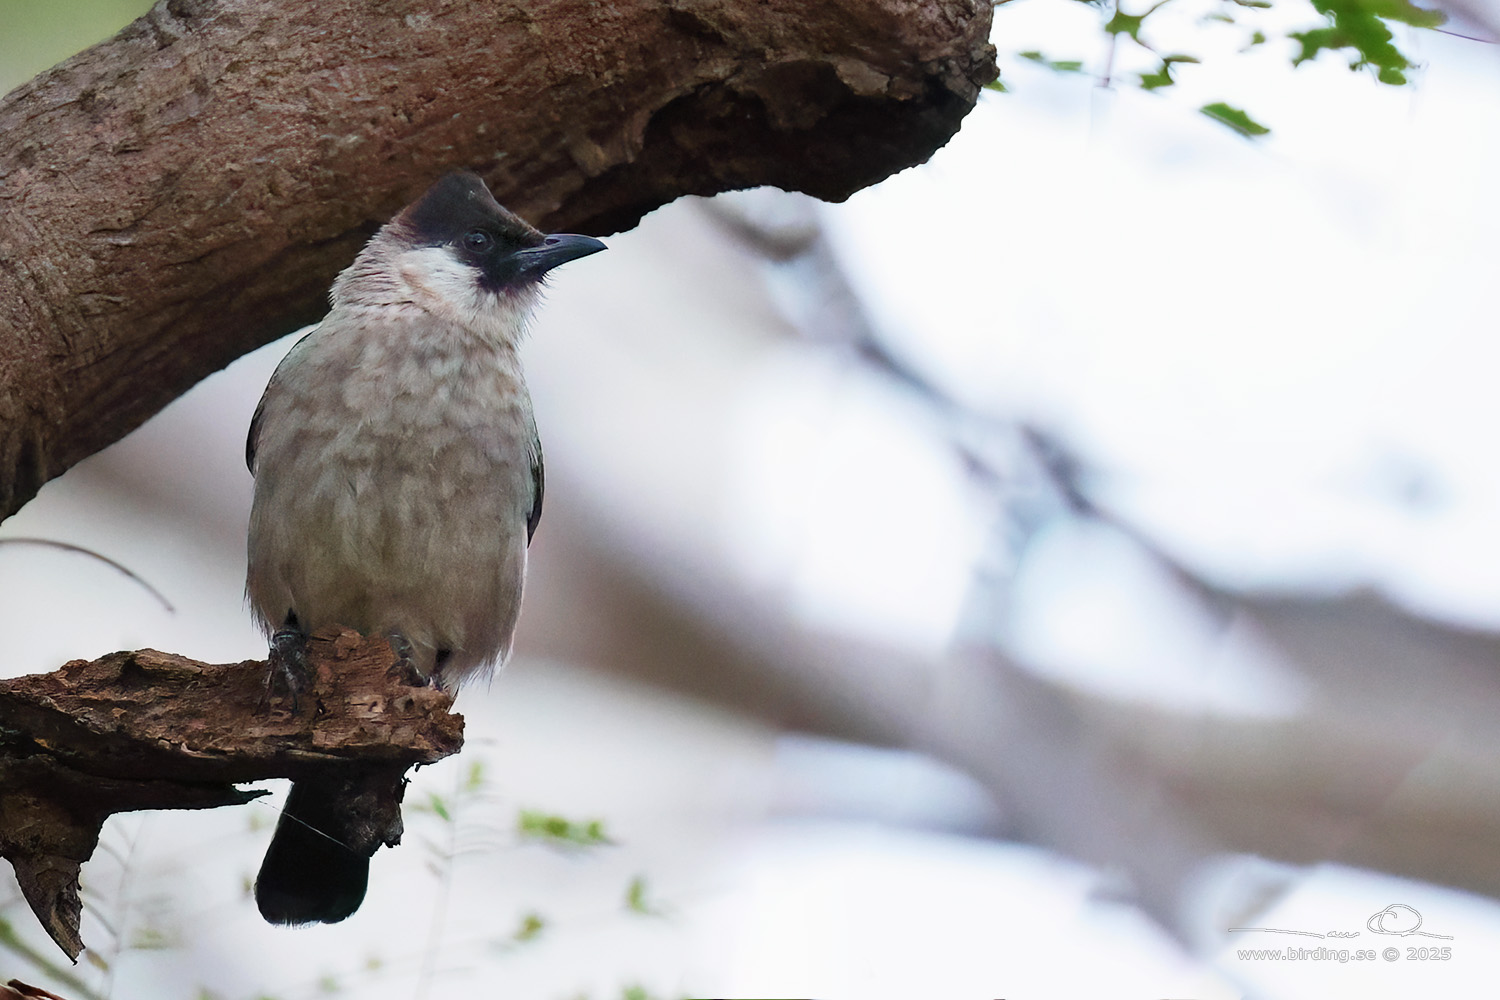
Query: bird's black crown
(459, 212)
(459, 204)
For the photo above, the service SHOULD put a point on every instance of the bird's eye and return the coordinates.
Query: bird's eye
(478, 241)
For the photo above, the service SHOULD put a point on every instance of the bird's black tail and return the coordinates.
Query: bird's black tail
(309, 875)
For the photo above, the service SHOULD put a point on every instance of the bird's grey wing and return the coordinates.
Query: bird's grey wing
(253, 438)
(254, 435)
(538, 487)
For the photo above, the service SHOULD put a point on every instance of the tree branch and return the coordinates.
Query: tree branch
(150, 730)
(185, 191)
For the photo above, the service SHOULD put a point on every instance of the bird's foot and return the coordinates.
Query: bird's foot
(286, 665)
(406, 661)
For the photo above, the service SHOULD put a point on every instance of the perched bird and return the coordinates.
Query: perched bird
(398, 481)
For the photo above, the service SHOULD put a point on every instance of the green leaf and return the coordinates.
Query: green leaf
(1155, 81)
(531, 925)
(151, 939)
(1405, 12)
(1059, 66)
(560, 831)
(1234, 118)
(440, 807)
(997, 86)
(1125, 24)
(1316, 41)
(635, 898)
(1162, 77)
(1360, 25)
(1259, 38)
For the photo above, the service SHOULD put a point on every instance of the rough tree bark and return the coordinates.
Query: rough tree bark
(185, 191)
(150, 730)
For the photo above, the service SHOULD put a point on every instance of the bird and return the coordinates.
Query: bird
(398, 483)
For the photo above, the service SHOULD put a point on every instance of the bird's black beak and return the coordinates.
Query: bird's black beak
(559, 248)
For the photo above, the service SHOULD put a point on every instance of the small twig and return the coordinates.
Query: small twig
(1109, 57)
(70, 547)
(1469, 38)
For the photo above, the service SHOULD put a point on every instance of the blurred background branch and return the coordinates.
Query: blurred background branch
(1390, 766)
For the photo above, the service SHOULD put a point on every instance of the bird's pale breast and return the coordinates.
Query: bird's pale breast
(393, 484)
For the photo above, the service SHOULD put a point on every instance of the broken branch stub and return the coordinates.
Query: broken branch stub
(152, 730)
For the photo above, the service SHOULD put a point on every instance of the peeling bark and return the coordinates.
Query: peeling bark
(150, 730)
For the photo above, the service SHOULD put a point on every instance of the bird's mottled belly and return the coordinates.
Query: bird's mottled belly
(403, 513)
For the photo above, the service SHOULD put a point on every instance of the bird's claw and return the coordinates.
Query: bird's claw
(287, 664)
(406, 661)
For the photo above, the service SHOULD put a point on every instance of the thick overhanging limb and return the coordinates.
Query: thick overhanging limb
(185, 191)
(150, 730)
